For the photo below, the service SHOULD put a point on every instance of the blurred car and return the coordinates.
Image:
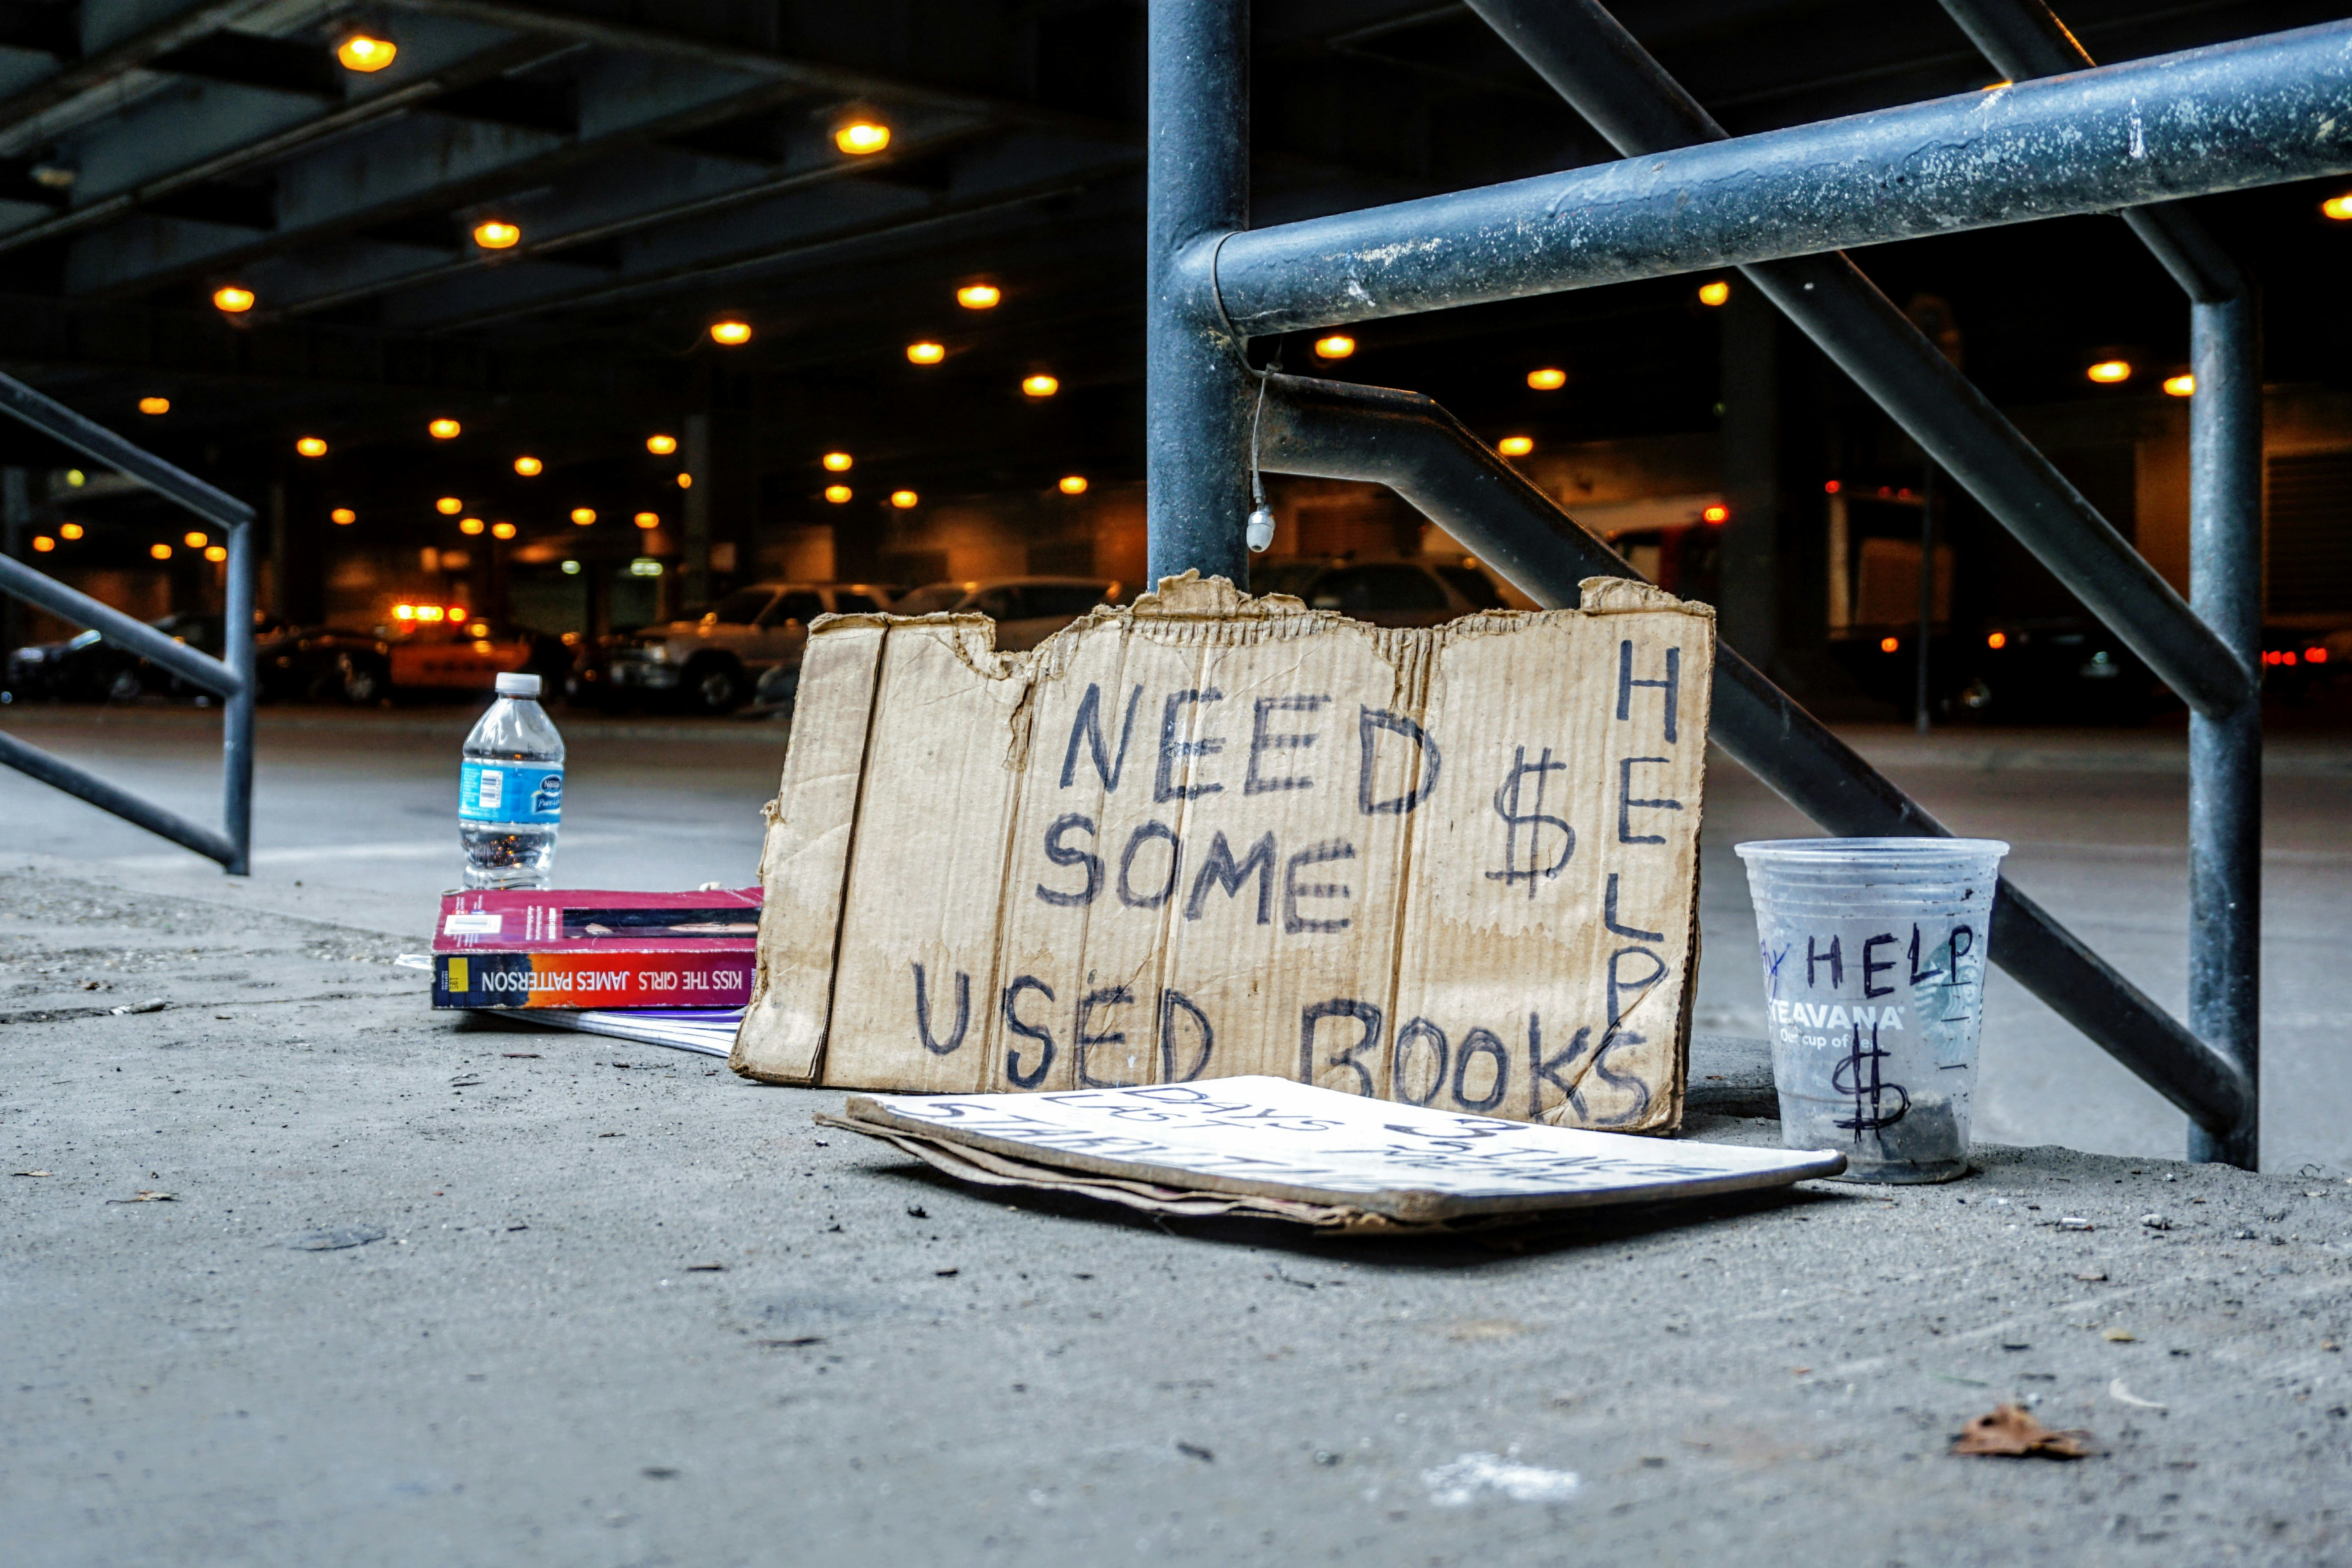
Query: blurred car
(709, 664)
(87, 667)
(421, 658)
(1385, 593)
(1026, 610)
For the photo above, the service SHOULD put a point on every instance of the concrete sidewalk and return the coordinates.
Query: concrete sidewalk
(428, 1291)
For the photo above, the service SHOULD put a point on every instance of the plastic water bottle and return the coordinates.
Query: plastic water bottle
(510, 790)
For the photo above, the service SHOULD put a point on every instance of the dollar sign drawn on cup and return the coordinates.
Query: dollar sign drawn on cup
(1870, 1112)
(1506, 807)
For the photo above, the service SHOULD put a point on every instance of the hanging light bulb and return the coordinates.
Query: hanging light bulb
(731, 334)
(837, 494)
(1072, 484)
(530, 468)
(838, 462)
(495, 236)
(311, 446)
(233, 300)
(926, 353)
(365, 53)
(979, 296)
(861, 137)
(444, 429)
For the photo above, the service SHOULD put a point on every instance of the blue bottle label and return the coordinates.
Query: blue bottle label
(510, 792)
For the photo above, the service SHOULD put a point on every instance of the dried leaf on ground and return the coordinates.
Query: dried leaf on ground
(2010, 1432)
(145, 1196)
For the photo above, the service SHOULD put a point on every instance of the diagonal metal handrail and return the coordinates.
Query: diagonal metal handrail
(1407, 442)
(231, 677)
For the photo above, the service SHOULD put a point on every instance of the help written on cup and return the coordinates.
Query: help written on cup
(1874, 955)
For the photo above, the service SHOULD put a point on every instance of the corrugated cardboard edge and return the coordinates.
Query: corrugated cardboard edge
(864, 1113)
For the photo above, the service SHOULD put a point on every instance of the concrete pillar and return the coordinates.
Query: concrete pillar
(1749, 595)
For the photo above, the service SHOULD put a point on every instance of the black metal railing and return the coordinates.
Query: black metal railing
(1781, 205)
(230, 676)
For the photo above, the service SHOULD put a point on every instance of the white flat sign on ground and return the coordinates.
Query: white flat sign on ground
(1272, 1137)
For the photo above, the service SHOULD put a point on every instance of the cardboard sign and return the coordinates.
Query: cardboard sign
(1207, 836)
(1271, 1139)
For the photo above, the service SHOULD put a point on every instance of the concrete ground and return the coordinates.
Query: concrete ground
(432, 1290)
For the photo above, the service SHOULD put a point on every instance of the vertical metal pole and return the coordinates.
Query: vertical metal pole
(1927, 596)
(236, 722)
(2225, 754)
(1198, 395)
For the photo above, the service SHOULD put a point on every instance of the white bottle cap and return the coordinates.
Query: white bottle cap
(518, 686)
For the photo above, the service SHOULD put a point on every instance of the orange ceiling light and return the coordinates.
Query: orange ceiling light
(926, 353)
(195, 539)
(2338, 207)
(1713, 293)
(215, 552)
(1040, 385)
(902, 499)
(1996, 641)
(2108, 372)
(583, 515)
(1071, 484)
(1547, 379)
(43, 544)
(730, 332)
(311, 446)
(661, 446)
(838, 462)
(365, 53)
(493, 235)
(502, 530)
(861, 138)
(448, 506)
(980, 296)
(1715, 514)
(1889, 645)
(469, 525)
(837, 494)
(68, 531)
(155, 405)
(1339, 345)
(647, 519)
(343, 517)
(232, 300)
(1515, 445)
(444, 429)
(686, 481)
(159, 551)
(2181, 385)
(530, 468)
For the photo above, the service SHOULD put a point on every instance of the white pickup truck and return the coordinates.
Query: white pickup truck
(710, 664)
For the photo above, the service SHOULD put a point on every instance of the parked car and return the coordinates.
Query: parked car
(420, 660)
(290, 664)
(709, 664)
(1026, 610)
(1385, 593)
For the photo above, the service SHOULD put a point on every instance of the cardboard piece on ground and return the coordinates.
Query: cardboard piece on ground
(1291, 1150)
(1207, 835)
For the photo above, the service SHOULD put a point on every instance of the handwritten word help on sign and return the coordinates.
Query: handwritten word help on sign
(1206, 834)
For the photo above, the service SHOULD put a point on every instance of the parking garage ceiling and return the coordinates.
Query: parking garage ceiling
(528, 214)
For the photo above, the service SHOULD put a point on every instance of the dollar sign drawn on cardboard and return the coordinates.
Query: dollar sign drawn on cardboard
(1506, 807)
(1870, 1111)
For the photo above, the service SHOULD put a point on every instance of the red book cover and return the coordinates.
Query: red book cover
(587, 948)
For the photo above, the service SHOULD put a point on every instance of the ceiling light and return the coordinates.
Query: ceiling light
(311, 446)
(661, 446)
(1041, 386)
(1515, 445)
(365, 52)
(2338, 207)
(502, 530)
(444, 429)
(448, 506)
(43, 544)
(469, 525)
(68, 531)
(1072, 484)
(902, 499)
(2108, 371)
(497, 236)
(1715, 514)
(76, 477)
(1996, 640)
(159, 551)
(216, 552)
(155, 405)
(343, 517)
(530, 468)
(2181, 385)
(228, 296)
(686, 481)
(647, 519)
(1713, 293)
(980, 296)
(1339, 345)
(837, 462)
(926, 353)
(645, 566)
(860, 137)
(1547, 379)
(583, 515)
(1888, 645)
(572, 569)
(195, 539)
(837, 494)
(731, 332)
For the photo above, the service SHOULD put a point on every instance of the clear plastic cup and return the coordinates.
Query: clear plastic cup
(1874, 955)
